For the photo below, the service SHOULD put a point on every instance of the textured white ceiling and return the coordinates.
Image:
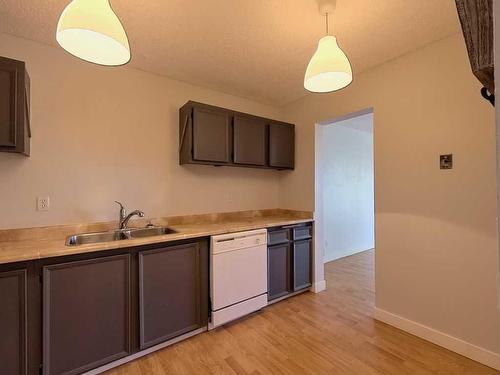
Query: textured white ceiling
(253, 48)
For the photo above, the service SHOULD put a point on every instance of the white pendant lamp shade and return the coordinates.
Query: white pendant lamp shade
(91, 31)
(329, 69)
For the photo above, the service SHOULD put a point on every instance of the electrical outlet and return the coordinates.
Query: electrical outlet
(42, 203)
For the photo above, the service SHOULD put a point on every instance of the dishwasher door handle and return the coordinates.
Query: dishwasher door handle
(227, 239)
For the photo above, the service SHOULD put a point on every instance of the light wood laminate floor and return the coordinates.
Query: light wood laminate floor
(332, 332)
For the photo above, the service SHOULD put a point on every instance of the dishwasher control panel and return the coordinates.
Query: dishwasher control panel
(235, 241)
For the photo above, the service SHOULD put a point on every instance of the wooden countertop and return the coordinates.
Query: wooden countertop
(36, 243)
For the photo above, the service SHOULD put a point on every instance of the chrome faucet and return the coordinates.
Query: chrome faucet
(124, 218)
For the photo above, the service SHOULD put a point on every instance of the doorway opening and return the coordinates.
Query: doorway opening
(344, 186)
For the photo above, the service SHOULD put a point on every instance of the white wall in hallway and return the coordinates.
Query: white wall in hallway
(346, 173)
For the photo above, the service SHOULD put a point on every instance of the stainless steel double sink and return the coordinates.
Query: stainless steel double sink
(117, 235)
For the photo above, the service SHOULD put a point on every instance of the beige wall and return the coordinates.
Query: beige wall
(435, 237)
(104, 134)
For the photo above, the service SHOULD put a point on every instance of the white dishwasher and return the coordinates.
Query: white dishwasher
(238, 275)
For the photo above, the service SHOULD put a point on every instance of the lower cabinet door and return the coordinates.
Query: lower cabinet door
(302, 252)
(173, 292)
(86, 314)
(278, 263)
(13, 322)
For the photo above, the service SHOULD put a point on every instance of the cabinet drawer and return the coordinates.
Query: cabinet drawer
(302, 232)
(278, 236)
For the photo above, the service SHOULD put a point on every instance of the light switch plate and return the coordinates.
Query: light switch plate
(42, 203)
(446, 161)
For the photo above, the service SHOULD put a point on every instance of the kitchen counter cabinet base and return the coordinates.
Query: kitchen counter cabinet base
(289, 260)
(54, 277)
(81, 313)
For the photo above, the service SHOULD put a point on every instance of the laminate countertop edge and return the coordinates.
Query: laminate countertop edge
(28, 250)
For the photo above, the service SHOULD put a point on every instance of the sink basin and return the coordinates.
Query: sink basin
(150, 232)
(88, 238)
(117, 235)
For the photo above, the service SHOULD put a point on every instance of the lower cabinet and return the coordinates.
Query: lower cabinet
(98, 308)
(279, 275)
(173, 292)
(289, 260)
(302, 255)
(86, 314)
(13, 322)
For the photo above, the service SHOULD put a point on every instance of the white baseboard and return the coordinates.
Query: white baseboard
(454, 344)
(318, 286)
(142, 353)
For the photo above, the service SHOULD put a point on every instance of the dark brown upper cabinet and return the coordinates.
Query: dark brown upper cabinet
(476, 18)
(249, 140)
(14, 107)
(218, 136)
(281, 145)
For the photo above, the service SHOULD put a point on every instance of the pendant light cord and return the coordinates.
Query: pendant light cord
(327, 25)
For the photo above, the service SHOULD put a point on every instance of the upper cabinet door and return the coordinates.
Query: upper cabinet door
(211, 135)
(281, 145)
(14, 106)
(249, 141)
(8, 103)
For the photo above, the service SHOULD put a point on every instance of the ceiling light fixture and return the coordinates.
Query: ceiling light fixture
(91, 31)
(329, 69)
